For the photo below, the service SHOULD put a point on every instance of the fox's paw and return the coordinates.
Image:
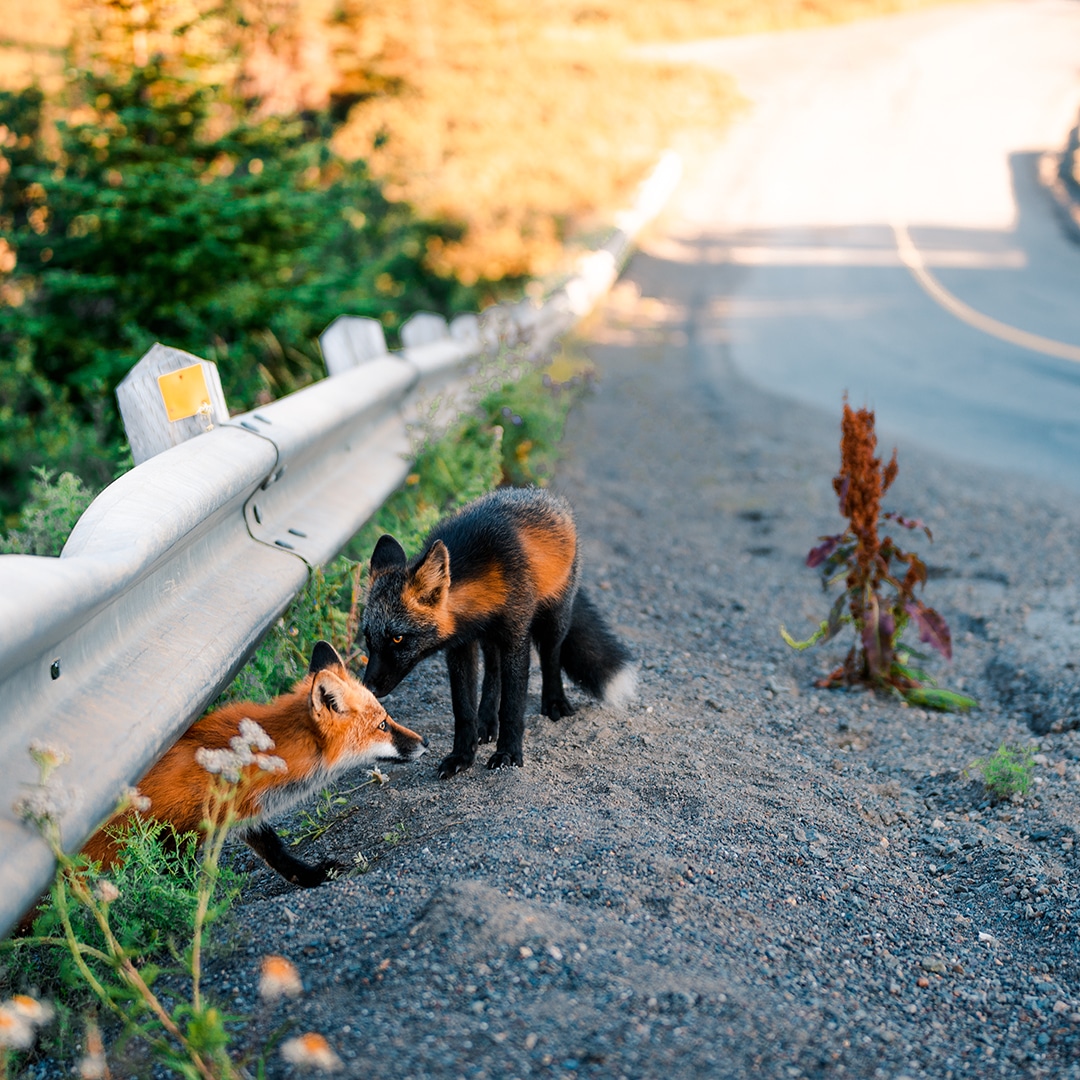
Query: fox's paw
(556, 707)
(503, 759)
(311, 877)
(489, 731)
(452, 764)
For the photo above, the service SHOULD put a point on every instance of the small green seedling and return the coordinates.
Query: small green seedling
(397, 835)
(1008, 771)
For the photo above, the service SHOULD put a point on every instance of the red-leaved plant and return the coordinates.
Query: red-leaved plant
(879, 578)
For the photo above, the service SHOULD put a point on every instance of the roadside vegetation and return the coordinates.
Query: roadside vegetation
(55, 503)
(124, 951)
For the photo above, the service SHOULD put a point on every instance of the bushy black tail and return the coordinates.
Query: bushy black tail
(594, 657)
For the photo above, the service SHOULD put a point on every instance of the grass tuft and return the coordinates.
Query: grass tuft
(1008, 771)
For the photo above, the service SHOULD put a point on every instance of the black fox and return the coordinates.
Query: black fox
(497, 574)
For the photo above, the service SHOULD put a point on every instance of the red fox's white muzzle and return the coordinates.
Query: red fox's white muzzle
(406, 745)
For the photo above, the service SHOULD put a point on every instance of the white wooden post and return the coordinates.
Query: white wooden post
(145, 403)
(465, 328)
(351, 340)
(423, 328)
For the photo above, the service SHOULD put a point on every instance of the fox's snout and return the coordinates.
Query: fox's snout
(379, 678)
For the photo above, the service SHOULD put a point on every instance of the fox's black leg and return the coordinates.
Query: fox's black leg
(268, 845)
(548, 629)
(515, 685)
(461, 662)
(490, 693)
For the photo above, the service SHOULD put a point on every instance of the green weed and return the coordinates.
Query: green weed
(1008, 771)
(158, 885)
(397, 834)
(328, 811)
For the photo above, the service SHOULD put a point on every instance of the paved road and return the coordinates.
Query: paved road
(917, 133)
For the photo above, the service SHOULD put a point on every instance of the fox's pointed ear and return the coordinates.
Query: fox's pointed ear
(324, 656)
(327, 697)
(388, 555)
(431, 579)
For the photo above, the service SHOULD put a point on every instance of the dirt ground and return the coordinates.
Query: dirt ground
(738, 873)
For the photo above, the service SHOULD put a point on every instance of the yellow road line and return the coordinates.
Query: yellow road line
(913, 260)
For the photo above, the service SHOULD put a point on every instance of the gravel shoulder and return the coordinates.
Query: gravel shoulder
(738, 872)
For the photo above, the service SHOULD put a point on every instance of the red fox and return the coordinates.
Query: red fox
(328, 723)
(500, 572)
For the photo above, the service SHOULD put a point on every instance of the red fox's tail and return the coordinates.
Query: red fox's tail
(594, 657)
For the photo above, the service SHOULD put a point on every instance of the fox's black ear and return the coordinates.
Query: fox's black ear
(387, 555)
(324, 656)
(432, 577)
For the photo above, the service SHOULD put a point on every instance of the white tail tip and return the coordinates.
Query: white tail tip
(622, 689)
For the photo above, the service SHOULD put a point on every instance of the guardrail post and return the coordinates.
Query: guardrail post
(168, 397)
(466, 329)
(423, 328)
(351, 340)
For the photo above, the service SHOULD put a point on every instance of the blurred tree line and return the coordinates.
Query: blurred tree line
(151, 198)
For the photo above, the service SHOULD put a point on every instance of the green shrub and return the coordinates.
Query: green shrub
(42, 528)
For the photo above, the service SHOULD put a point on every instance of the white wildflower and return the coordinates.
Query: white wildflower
(255, 736)
(106, 892)
(240, 750)
(270, 763)
(311, 1051)
(38, 1013)
(16, 1032)
(48, 757)
(132, 797)
(46, 803)
(279, 978)
(230, 761)
(20, 1017)
(219, 763)
(92, 1065)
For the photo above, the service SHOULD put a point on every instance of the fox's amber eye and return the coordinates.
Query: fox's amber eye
(398, 638)
(383, 726)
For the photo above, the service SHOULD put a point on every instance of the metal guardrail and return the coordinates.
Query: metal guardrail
(177, 570)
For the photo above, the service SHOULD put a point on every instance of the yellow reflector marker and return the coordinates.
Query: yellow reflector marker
(184, 392)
